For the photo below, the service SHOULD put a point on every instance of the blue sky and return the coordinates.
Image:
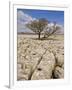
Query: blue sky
(50, 15)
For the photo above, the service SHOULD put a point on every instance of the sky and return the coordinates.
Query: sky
(50, 15)
(25, 16)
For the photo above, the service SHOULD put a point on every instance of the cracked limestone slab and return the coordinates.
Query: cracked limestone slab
(59, 73)
(60, 59)
(45, 67)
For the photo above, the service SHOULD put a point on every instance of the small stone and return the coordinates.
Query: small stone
(19, 66)
(58, 73)
(59, 59)
(63, 66)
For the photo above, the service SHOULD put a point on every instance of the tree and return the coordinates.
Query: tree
(50, 30)
(38, 26)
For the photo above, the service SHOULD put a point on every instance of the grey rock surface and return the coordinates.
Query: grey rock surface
(59, 72)
(45, 67)
(37, 59)
(60, 59)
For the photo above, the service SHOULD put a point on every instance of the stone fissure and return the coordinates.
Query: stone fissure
(36, 66)
(39, 59)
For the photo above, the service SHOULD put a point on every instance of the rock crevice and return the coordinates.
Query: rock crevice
(38, 59)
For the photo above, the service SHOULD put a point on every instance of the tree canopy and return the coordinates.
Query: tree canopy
(38, 26)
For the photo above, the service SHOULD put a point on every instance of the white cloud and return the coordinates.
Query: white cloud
(60, 31)
(23, 19)
(21, 16)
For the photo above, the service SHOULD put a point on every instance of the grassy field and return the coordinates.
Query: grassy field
(53, 37)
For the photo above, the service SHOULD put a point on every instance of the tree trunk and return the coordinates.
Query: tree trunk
(44, 36)
(39, 35)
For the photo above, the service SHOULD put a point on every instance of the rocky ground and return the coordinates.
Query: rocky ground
(40, 59)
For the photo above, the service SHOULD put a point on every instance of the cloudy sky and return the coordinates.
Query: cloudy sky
(26, 15)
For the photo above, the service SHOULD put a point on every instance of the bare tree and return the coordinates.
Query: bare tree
(38, 26)
(51, 30)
